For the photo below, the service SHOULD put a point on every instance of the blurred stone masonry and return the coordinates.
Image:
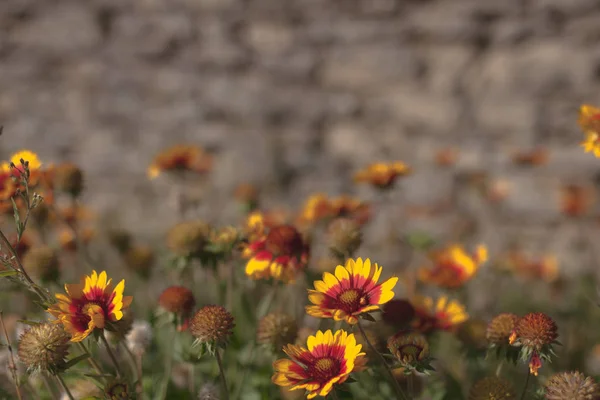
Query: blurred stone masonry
(295, 95)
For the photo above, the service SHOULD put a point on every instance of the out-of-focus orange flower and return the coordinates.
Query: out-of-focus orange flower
(576, 200)
(74, 215)
(545, 268)
(319, 207)
(589, 121)
(453, 266)
(382, 175)
(68, 241)
(7, 187)
(316, 208)
(446, 157)
(181, 158)
(533, 157)
(433, 315)
(350, 207)
(279, 255)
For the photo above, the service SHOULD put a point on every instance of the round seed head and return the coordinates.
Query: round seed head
(44, 347)
(177, 299)
(571, 386)
(492, 388)
(209, 392)
(212, 324)
(276, 330)
(139, 337)
(344, 237)
(188, 238)
(536, 330)
(500, 328)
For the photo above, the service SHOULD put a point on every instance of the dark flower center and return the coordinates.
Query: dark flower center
(325, 368)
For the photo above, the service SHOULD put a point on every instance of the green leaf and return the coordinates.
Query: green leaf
(4, 274)
(17, 219)
(75, 360)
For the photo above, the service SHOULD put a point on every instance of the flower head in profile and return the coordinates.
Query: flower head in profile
(351, 291)
(91, 304)
(589, 121)
(382, 175)
(279, 255)
(328, 360)
(453, 266)
(180, 158)
(433, 315)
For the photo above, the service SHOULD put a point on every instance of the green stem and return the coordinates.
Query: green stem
(111, 355)
(499, 368)
(168, 365)
(525, 387)
(399, 392)
(222, 373)
(90, 359)
(64, 386)
(238, 391)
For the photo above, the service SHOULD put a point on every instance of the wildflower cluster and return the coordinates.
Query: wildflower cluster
(289, 303)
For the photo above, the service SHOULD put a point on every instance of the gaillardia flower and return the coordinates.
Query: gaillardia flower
(382, 175)
(453, 266)
(589, 121)
(571, 386)
(328, 360)
(29, 157)
(352, 291)
(89, 305)
(279, 255)
(408, 347)
(181, 158)
(440, 315)
(536, 333)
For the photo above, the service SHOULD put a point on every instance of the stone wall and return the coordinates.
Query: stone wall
(295, 95)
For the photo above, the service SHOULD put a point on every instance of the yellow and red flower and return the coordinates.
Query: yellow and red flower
(453, 266)
(329, 359)
(382, 175)
(30, 157)
(352, 291)
(439, 315)
(589, 121)
(89, 305)
(279, 255)
(181, 158)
